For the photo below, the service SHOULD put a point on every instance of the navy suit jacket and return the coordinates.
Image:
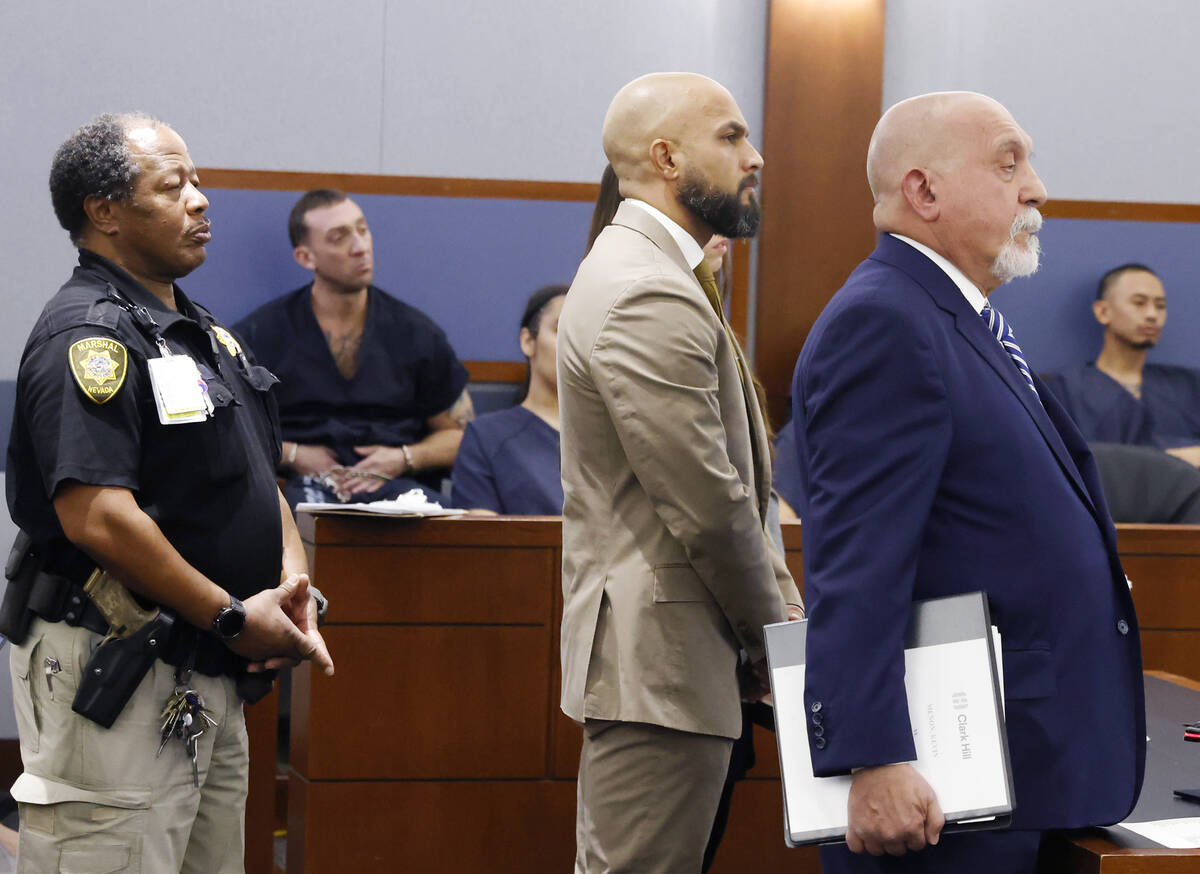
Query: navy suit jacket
(930, 468)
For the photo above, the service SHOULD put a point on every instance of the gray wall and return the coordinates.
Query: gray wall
(1106, 88)
(459, 89)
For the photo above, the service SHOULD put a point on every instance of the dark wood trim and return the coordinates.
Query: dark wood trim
(484, 531)
(739, 294)
(1158, 539)
(1126, 211)
(824, 93)
(426, 186)
(496, 371)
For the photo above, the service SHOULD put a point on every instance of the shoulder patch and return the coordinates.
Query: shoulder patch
(98, 365)
(227, 340)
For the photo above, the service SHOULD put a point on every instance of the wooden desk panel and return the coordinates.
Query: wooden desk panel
(1165, 589)
(436, 584)
(262, 727)
(1176, 652)
(431, 827)
(418, 702)
(444, 632)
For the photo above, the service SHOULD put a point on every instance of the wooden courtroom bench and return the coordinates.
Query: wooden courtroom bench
(439, 745)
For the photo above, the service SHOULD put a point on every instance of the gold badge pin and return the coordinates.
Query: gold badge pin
(98, 365)
(227, 340)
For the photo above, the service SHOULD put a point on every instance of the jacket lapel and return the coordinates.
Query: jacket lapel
(759, 444)
(971, 327)
(639, 220)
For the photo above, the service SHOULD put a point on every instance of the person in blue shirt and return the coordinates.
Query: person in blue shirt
(508, 461)
(1120, 398)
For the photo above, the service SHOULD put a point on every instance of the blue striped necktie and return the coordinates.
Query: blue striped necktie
(1001, 331)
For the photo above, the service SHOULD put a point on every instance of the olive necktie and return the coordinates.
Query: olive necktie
(709, 283)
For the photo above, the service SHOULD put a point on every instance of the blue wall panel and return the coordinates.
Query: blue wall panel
(468, 263)
(1051, 312)
(471, 263)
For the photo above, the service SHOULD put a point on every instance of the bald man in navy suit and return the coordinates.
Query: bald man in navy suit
(935, 462)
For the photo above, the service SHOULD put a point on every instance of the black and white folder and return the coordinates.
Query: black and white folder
(955, 705)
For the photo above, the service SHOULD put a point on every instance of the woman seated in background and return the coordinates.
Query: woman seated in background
(508, 461)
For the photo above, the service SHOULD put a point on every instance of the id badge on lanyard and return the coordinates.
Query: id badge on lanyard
(180, 392)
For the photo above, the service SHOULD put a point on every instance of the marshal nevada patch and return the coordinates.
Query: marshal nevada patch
(98, 365)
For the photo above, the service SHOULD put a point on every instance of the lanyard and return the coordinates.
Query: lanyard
(147, 324)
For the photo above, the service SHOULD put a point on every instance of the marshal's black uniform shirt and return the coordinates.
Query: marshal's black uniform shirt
(85, 412)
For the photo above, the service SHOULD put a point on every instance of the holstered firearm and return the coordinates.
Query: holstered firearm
(117, 667)
(136, 637)
(120, 610)
(21, 570)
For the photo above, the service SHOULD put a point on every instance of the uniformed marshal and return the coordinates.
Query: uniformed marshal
(141, 471)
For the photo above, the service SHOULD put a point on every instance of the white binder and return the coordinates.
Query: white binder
(956, 708)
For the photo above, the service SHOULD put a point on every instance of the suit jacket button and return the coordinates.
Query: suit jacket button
(819, 743)
(817, 719)
(1122, 626)
(818, 731)
(815, 707)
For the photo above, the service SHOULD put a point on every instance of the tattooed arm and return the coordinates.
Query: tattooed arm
(445, 433)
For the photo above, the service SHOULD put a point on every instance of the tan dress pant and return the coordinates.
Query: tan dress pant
(99, 801)
(647, 796)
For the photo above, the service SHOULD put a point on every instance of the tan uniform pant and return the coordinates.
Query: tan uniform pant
(98, 801)
(647, 797)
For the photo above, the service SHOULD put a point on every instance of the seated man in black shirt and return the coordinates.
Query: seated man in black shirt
(1121, 397)
(372, 399)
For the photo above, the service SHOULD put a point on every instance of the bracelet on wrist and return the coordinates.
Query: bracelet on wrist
(290, 458)
(408, 459)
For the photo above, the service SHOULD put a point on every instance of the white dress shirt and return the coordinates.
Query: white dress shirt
(969, 289)
(693, 254)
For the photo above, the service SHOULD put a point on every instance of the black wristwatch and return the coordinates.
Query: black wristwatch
(229, 621)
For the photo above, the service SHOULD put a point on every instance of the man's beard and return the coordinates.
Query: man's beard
(352, 285)
(1136, 342)
(1020, 260)
(723, 212)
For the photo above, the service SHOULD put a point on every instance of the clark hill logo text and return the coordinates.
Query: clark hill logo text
(959, 700)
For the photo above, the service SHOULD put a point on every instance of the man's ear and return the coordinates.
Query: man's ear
(102, 213)
(1102, 310)
(662, 158)
(917, 189)
(304, 257)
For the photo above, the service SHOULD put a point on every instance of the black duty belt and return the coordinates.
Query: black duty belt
(58, 599)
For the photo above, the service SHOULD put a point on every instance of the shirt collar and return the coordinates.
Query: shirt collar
(968, 288)
(137, 293)
(692, 253)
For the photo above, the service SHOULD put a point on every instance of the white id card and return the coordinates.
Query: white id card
(180, 393)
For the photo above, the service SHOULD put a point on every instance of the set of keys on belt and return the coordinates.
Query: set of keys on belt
(184, 717)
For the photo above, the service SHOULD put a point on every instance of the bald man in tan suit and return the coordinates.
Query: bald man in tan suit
(667, 567)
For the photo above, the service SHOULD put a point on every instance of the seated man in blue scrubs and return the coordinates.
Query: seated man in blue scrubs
(508, 462)
(372, 399)
(1119, 398)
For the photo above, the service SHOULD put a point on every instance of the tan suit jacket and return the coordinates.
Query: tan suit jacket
(667, 566)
